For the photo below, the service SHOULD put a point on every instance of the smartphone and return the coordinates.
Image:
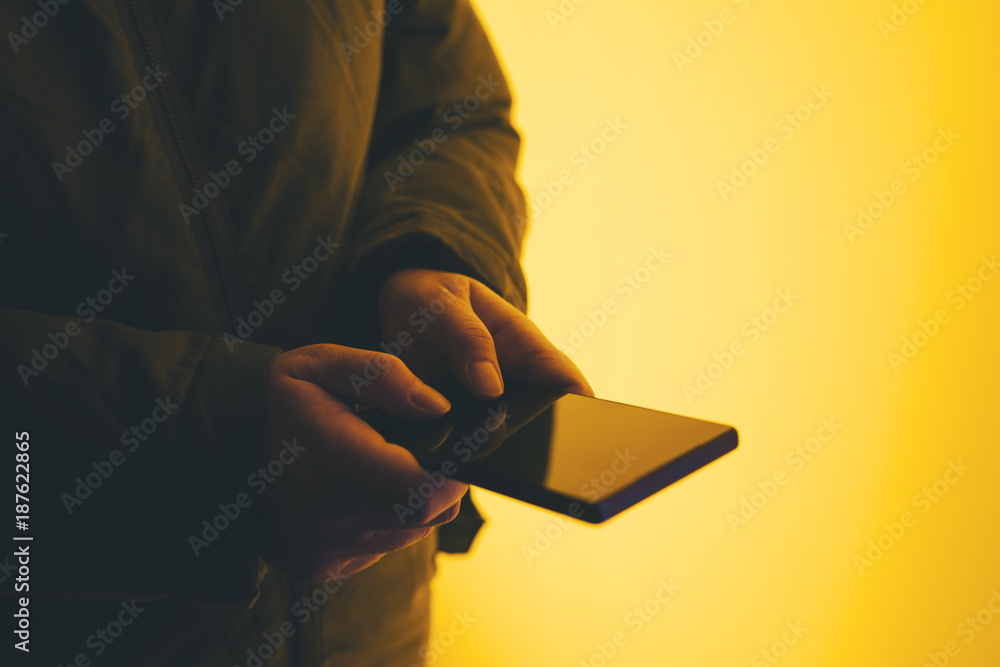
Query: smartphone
(585, 457)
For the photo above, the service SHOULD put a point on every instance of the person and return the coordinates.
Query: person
(225, 224)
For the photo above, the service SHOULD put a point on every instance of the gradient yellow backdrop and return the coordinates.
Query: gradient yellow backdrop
(678, 127)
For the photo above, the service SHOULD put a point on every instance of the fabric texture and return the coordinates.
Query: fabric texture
(187, 192)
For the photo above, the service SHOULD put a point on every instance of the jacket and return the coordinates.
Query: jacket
(189, 188)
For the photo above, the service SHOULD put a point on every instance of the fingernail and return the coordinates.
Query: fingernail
(485, 377)
(431, 401)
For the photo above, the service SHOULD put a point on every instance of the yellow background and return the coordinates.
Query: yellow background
(656, 184)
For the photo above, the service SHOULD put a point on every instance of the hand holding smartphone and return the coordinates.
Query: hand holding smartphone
(586, 457)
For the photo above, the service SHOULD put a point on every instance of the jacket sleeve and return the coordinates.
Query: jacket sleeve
(136, 437)
(440, 189)
(440, 186)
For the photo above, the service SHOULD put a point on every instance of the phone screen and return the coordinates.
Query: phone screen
(578, 455)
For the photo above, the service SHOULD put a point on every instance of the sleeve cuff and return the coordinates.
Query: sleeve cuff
(220, 430)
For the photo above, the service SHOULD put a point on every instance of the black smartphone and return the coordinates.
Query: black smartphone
(584, 457)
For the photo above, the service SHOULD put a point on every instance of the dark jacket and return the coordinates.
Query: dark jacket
(188, 188)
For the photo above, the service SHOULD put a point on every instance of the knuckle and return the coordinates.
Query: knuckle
(302, 362)
(391, 366)
(474, 335)
(415, 535)
(451, 287)
(424, 514)
(312, 358)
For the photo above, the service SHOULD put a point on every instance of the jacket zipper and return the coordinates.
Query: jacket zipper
(212, 221)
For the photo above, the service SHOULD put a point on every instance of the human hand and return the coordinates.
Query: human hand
(329, 514)
(447, 321)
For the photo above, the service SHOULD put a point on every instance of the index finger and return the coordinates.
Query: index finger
(362, 462)
(522, 349)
